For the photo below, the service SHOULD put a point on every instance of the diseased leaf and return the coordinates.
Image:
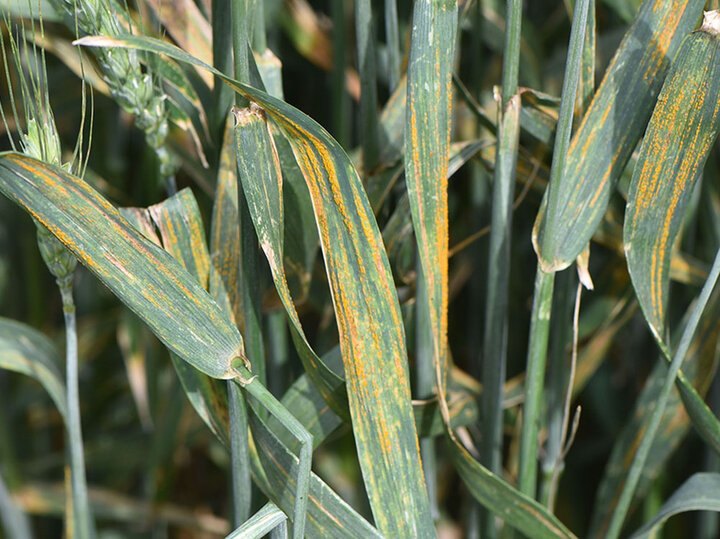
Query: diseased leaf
(612, 126)
(180, 225)
(427, 142)
(683, 127)
(368, 314)
(143, 276)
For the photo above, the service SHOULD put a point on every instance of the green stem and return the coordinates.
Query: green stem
(368, 96)
(275, 408)
(392, 37)
(496, 307)
(643, 450)
(259, 37)
(511, 51)
(544, 282)
(557, 378)
(83, 524)
(239, 454)
(534, 379)
(339, 97)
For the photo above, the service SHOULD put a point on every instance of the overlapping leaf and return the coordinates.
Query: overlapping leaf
(366, 307)
(683, 127)
(27, 351)
(143, 276)
(612, 126)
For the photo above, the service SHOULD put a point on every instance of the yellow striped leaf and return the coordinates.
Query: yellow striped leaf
(683, 127)
(367, 310)
(612, 127)
(143, 276)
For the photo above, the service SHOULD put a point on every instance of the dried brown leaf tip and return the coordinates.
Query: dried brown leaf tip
(711, 22)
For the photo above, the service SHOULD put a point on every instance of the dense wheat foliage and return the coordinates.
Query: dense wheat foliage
(371, 268)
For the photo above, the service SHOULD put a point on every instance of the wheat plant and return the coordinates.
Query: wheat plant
(419, 268)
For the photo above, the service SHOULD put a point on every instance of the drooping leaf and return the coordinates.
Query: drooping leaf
(143, 276)
(367, 311)
(518, 510)
(27, 351)
(701, 492)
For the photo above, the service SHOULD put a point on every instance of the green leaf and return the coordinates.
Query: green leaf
(612, 127)
(258, 167)
(180, 225)
(274, 469)
(27, 351)
(701, 492)
(372, 337)
(682, 130)
(427, 141)
(143, 276)
(518, 510)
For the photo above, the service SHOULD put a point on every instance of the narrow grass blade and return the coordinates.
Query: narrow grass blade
(518, 510)
(27, 351)
(143, 276)
(700, 367)
(611, 128)
(260, 524)
(427, 141)
(653, 422)
(274, 469)
(367, 310)
(15, 522)
(701, 492)
(682, 130)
